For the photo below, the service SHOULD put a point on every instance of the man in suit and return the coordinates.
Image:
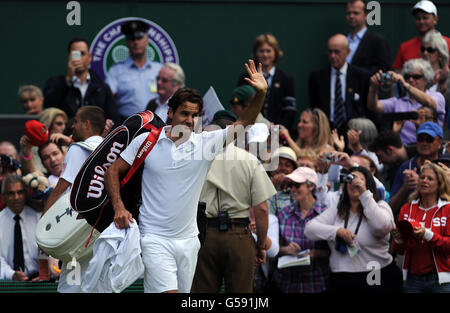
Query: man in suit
(80, 86)
(170, 78)
(344, 98)
(368, 50)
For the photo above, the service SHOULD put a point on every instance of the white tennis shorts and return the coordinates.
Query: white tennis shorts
(169, 263)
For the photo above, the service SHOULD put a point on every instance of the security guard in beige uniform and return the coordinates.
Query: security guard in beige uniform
(236, 182)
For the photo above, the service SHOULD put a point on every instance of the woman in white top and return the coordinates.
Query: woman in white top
(357, 231)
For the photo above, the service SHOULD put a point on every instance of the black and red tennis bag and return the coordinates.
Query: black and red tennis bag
(88, 196)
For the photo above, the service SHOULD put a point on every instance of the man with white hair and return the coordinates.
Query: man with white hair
(170, 78)
(425, 19)
(416, 77)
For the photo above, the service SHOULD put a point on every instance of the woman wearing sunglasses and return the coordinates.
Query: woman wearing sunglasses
(435, 50)
(358, 231)
(416, 77)
(292, 220)
(423, 233)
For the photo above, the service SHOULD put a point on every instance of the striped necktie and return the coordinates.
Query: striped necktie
(339, 109)
(266, 100)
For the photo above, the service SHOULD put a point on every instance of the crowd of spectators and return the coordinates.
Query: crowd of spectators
(360, 182)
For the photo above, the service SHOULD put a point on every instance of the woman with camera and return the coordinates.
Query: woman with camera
(423, 234)
(416, 77)
(357, 231)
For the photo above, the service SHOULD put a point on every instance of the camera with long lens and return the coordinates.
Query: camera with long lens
(8, 162)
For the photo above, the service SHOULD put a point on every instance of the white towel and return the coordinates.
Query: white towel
(116, 262)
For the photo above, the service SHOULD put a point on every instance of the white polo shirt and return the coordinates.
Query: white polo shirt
(75, 158)
(172, 181)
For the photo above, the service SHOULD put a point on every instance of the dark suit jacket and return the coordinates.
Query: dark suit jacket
(282, 106)
(68, 98)
(373, 53)
(151, 105)
(357, 88)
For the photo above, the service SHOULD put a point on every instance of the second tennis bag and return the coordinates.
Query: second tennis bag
(88, 196)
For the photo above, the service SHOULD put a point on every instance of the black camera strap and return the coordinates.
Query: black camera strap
(359, 221)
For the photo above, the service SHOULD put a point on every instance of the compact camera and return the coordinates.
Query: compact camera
(328, 157)
(347, 178)
(386, 78)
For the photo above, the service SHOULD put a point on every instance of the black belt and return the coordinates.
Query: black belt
(214, 222)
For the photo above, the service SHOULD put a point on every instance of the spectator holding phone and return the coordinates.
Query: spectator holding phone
(426, 244)
(358, 231)
(79, 86)
(416, 77)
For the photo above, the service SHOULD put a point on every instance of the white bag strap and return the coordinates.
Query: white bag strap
(86, 145)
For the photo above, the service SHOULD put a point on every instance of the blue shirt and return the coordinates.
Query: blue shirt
(354, 43)
(399, 178)
(132, 86)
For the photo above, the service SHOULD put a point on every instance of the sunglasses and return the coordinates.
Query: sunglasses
(429, 49)
(296, 185)
(414, 76)
(427, 139)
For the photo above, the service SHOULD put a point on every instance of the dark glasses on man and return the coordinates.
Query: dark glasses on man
(428, 49)
(425, 138)
(414, 76)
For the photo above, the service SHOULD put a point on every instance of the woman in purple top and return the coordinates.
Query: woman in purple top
(416, 77)
(311, 278)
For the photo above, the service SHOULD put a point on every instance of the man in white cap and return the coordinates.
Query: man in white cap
(425, 19)
(286, 165)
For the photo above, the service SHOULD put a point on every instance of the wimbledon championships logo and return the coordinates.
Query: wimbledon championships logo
(109, 46)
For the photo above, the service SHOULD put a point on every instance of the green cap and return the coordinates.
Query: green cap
(225, 115)
(241, 94)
